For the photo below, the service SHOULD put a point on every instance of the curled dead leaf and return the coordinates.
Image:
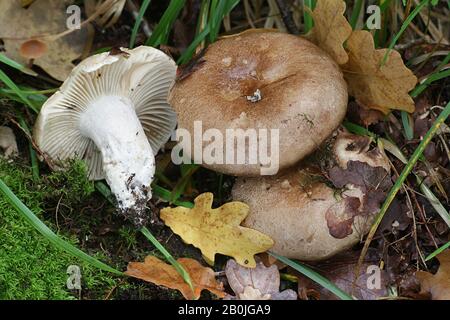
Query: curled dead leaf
(331, 28)
(341, 215)
(438, 285)
(260, 283)
(217, 230)
(162, 274)
(376, 86)
(366, 188)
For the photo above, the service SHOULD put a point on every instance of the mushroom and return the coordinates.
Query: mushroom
(262, 80)
(313, 220)
(33, 49)
(8, 142)
(112, 112)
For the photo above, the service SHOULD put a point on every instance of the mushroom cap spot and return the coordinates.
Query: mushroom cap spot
(143, 75)
(303, 91)
(33, 49)
(298, 222)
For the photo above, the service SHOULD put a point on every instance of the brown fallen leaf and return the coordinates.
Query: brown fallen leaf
(331, 29)
(374, 86)
(260, 283)
(438, 285)
(162, 274)
(42, 17)
(363, 176)
(217, 230)
(340, 217)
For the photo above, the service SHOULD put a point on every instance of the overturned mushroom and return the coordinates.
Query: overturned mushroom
(8, 142)
(312, 220)
(113, 113)
(261, 80)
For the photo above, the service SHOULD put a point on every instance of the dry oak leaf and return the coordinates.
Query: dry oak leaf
(42, 17)
(217, 230)
(162, 274)
(374, 86)
(331, 29)
(438, 285)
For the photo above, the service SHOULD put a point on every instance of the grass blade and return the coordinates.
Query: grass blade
(217, 13)
(162, 30)
(398, 184)
(183, 182)
(437, 251)
(158, 191)
(31, 218)
(434, 77)
(404, 26)
(356, 13)
(33, 156)
(357, 129)
(138, 22)
(211, 29)
(166, 195)
(309, 23)
(314, 276)
(407, 125)
(189, 52)
(9, 83)
(434, 201)
(183, 273)
(13, 64)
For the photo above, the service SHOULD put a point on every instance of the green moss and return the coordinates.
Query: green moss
(30, 267)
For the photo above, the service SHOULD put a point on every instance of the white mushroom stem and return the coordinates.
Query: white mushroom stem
(128, 160)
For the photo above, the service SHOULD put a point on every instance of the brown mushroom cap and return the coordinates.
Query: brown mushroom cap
(311, 220)
(297, 223)
(33, 49)
(303, 93)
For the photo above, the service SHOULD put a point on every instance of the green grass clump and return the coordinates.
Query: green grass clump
(30, 266)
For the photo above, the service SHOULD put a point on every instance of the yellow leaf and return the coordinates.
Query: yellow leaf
(331, 28)
(374, 86)
(217, 230)
(162, 274)
(438, 285)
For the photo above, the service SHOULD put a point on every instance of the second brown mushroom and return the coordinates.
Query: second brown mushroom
(310, 217)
